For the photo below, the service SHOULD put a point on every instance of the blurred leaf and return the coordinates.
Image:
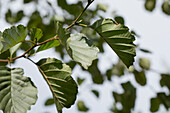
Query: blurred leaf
(72, 64)
(127, 99)
(117, 69)
(81, 106)
(12, 17)
(166, 7)
(78, 47)
(35, 34)
(12, 37)
(4, 55)
(48, 45)
(119, 19)
(28, 1)
(165, 80)
(95, 92)
(140, 77)
(97, 77)
(119, 39)
(155, 103)
(145, 50)
(164, 99)
(49, 101)
(102, 7)
(58, 78)
(80, 80)
(17, 92)
(150, 5)
(144, 63)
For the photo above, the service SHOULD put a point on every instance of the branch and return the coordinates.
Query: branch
(23, 55)
(75, 22)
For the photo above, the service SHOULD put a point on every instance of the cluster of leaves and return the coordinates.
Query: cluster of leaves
(151, 4)
(81, 49)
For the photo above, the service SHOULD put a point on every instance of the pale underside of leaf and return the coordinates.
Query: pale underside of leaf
(17, 93)
(118, 38)
(62, 85)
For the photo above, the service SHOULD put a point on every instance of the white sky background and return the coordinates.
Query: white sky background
(153, 28)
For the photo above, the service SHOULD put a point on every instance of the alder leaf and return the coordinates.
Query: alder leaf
(62, 85)
(78, 47)
(35, 34)
(17, 93)
(118, 38)
(12, 36)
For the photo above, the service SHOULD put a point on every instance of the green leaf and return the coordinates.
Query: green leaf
(80, 80)
(150, 5)
(95, 92)
(140, 77)
(102, 7)
(119, 19)
(12, 37)
(119, 39)
(155, 103)
(127, 99)
(165, 80)
(165, 100)
(145, 50)
(78, 47)
(166, 7)
(48, 45)
(35, 34)
(144, 63)
(81, 106)
(62, 85)
(17, 92)
(14, 49)
(49, 101)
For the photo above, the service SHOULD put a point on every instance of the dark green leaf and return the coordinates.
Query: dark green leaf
(120, 20)
(12, 37)
(164, 99)
(95, 92)
(150, 5)
(155, 103)
(49, 102)
(62, 85)
(78, 47)
(119, 39)
(165, 80)
(145, 50)
(144, 63)
(81, 106)
(166, 7)
(140, 77)
(72, 64)
(97, 77)
(17, 92)
(80, 80)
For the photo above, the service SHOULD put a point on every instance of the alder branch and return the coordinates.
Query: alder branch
(75, 22)
(35, 45)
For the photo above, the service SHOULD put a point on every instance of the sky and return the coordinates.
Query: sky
(153, 28)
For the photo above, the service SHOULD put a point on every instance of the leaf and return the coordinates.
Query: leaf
(165, 100)
(80, 80)
(119, 39)
(12, 37)
(35, 34)
(81, 106)
(140, 77)
(102, 7)
(166, 7)
(155, 103)
(78, 47)
(58, 78)
(119, 19)
(145, 50)
(95, 92)
(49, 101)
(165, 80)
(127, 99)
(17, 92)
(144, 63)
(14, 49)
(51, 44)
(150, 5)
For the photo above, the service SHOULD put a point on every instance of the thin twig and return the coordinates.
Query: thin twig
(23, 55)
(75, 22)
